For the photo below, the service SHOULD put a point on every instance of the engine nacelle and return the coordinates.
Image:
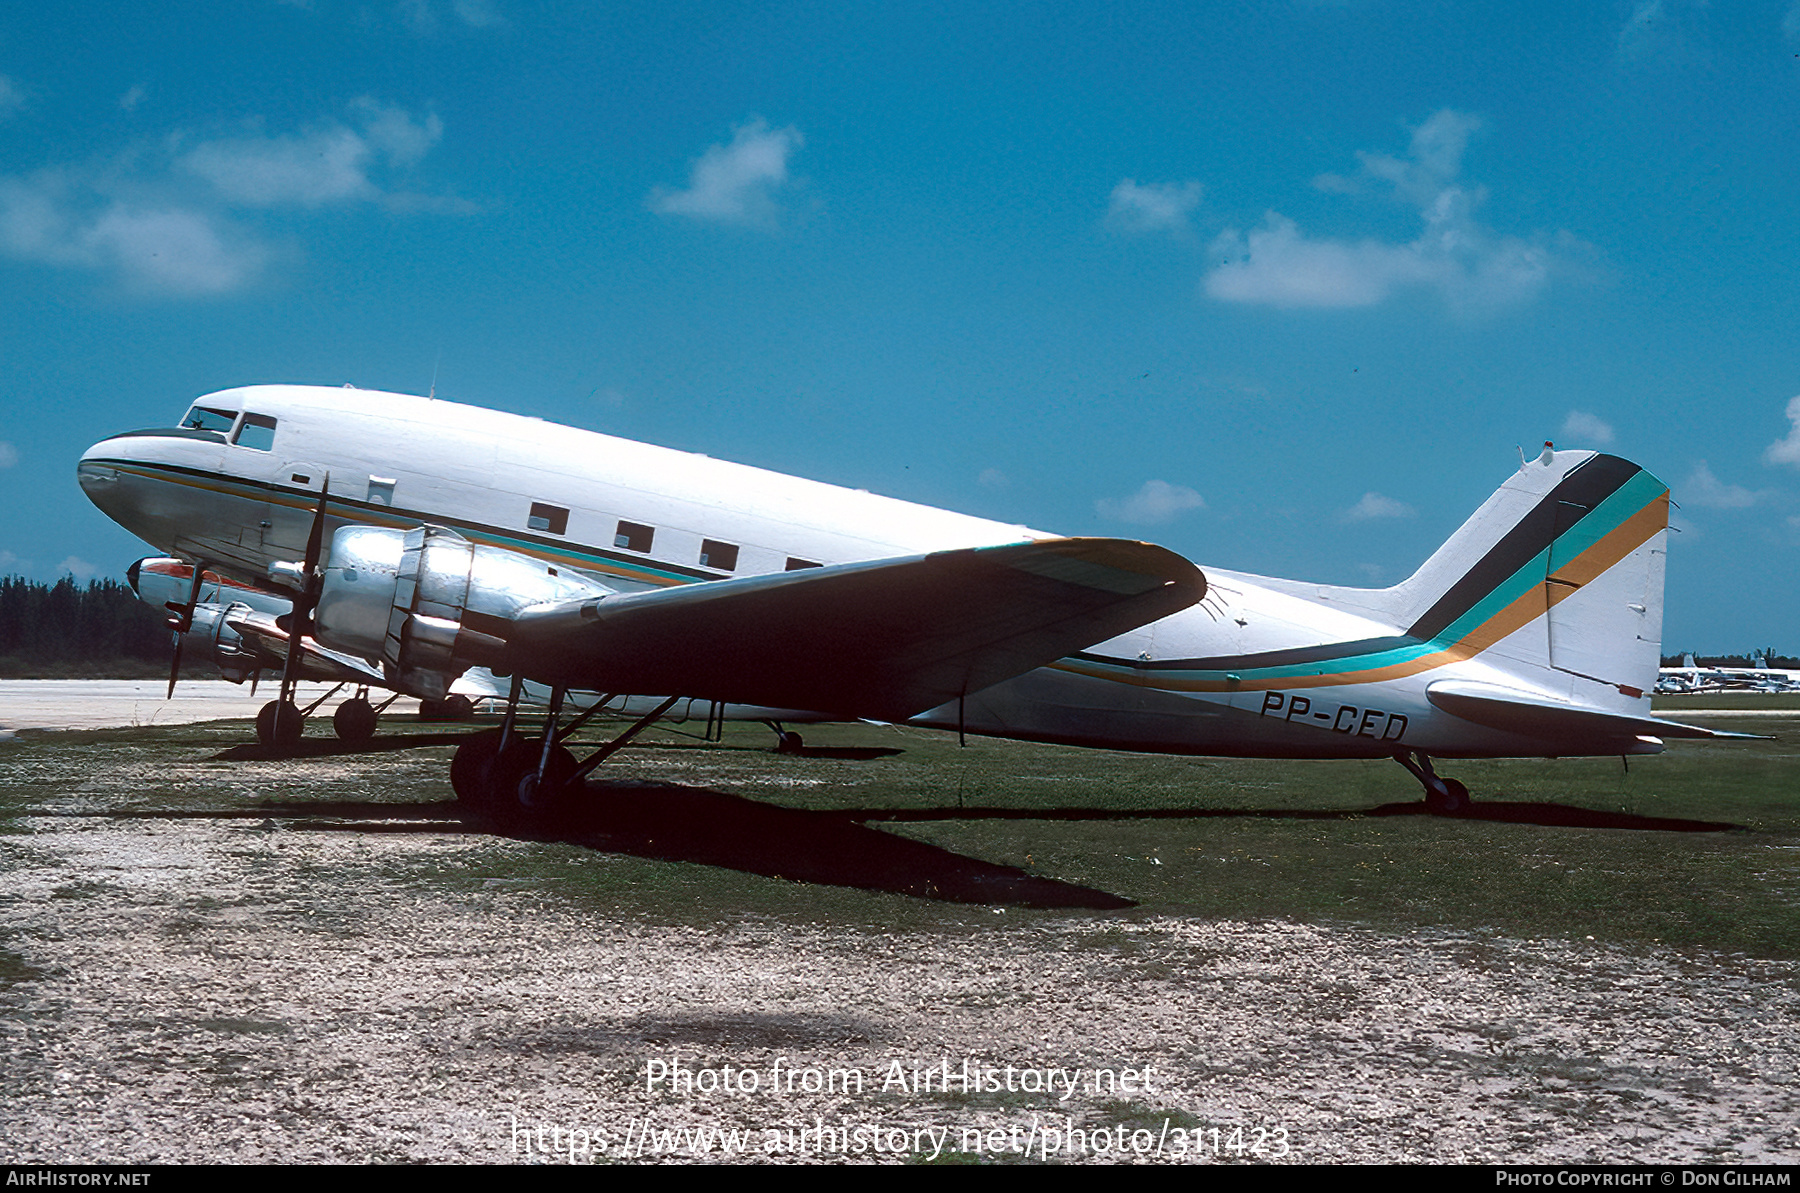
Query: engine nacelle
(429, 603)
(224, 646)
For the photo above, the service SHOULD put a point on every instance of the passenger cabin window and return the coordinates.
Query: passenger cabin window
(381, 490)
(718, 555)
(205, 418)
(633, 537)
(551, 518)
(256, 431)
(795, 565)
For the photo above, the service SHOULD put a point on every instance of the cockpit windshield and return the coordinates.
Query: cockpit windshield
(205, 418)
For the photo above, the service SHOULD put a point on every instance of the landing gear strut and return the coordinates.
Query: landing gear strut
(282, 722)
(1443, 797)
(512, 777)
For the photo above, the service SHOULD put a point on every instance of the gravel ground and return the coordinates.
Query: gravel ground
(199, 989)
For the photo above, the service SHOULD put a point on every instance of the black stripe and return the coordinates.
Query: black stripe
(403, 514)
(1572, 499)
(1325, 653)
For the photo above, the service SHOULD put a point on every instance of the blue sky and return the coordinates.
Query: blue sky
(1284, 287)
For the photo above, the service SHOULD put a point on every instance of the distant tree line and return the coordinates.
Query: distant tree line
(67, 630)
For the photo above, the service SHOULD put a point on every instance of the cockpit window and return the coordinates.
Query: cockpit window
(257, 431)
(205, 418)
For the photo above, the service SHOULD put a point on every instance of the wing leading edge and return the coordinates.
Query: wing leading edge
(884, 639)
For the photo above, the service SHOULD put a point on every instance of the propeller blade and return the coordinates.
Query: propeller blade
(184, 621)
(175, 667)
(307, 597)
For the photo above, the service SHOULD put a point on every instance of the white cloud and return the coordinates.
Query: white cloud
(1154, 207)
(1663, 31)
(81, 569)
(9, 455)
(131, 99)
(322, 167)
(185, 252)
(1705, 489)
(11, 98)
(165, 219)
(735, 183)
(422, 15)
(1157, 501)
(1790, 24)
(395, 134)
(992, 478)
(1470, 266)
(1786, 450)
(329, 165)
(170, 248)
(1587, 429)
(1374, 505)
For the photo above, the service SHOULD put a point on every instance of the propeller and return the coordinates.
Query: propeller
(300, 620)
(183, 621)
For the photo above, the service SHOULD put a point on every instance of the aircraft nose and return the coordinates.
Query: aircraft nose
(131, 575)
(93, 473)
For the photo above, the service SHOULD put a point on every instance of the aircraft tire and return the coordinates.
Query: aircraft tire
(790, 743)
(354, 721)
(513, 784)
(1452, 801)
(291, 727)
(469, 765)
(457, 707)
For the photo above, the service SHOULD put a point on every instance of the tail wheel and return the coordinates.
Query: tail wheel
(1453, 800)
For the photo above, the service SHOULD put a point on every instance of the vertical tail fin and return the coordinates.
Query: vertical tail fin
(1558, 577)
(1562, 568)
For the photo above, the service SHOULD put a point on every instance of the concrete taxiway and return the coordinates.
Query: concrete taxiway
(121, 703)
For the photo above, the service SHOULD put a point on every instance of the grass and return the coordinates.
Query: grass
(1571, 849)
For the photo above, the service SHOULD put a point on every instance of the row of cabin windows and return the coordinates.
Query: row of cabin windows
(635, 536)
(257, 431)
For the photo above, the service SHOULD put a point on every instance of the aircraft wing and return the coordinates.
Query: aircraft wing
(884, 639)
(320, 662)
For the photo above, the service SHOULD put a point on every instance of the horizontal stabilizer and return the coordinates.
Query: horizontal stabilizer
(885, 639)
(1538, 716)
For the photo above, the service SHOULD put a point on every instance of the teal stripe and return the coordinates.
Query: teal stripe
(1599, 522)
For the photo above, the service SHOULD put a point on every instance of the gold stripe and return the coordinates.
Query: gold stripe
(1536, 601)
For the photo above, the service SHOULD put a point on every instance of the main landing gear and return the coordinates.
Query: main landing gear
(281, 722)
(513, 777)
(1443, 797)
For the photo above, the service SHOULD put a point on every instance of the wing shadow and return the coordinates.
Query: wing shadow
(1547, 815)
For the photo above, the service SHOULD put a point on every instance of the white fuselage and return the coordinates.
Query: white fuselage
(636, 516)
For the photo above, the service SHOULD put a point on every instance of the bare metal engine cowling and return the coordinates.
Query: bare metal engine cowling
(224, 646)
(429, 603)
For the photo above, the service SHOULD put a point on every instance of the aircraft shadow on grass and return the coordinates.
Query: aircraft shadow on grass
(672, 822)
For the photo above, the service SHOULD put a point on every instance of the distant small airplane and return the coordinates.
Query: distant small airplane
(1691, 677)
(462, 538)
